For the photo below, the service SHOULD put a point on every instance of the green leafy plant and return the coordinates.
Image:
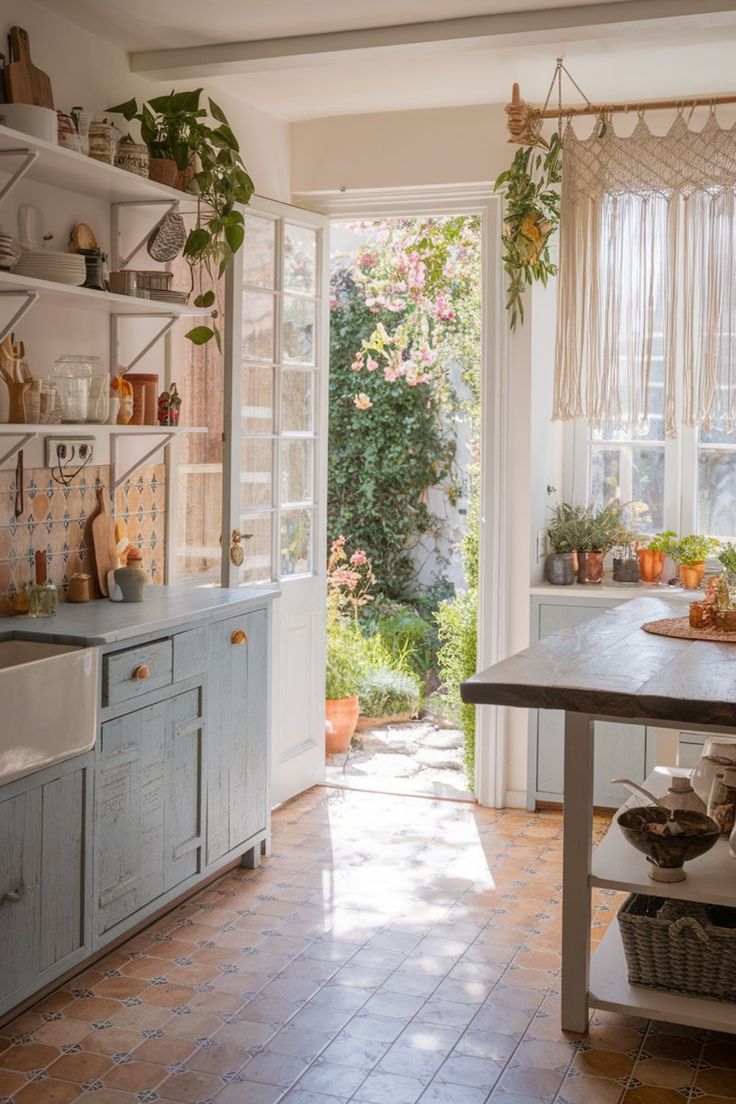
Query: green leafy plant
(175, 126)
(409, 639)
(347, 662)
(727, 557)
(457, 623)
(385, 692)
(693, 549)
(663, 542)
(532, 215)
(568, 525)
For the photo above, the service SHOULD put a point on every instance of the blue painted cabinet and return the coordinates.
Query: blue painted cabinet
(237, 733)
(45, 842)
(148, 823)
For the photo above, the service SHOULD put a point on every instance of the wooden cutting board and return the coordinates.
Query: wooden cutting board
(103, 540)
(24, 83)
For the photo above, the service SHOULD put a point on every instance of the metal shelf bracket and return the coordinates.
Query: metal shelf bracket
(13, 451)
(168, 322)
(118, 478)
(29, 297)
(29, 156)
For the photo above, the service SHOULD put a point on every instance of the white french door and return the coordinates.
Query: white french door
(275, 464)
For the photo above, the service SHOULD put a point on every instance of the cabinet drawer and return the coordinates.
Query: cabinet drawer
(130, 674)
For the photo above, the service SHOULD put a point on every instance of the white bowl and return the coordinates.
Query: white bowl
(39, 122)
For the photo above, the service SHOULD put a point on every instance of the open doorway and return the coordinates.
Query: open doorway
(403, 498)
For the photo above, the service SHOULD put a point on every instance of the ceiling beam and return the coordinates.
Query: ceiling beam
(500, 30)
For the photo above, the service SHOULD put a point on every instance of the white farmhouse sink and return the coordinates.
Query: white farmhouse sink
(48, 704)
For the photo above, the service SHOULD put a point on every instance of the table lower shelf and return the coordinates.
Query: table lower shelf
(610, 990)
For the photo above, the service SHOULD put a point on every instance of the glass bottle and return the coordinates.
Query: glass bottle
(43, 601)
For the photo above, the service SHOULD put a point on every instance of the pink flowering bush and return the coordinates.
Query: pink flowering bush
(349, 580)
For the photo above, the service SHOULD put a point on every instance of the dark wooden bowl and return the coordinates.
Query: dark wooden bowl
(699, 834)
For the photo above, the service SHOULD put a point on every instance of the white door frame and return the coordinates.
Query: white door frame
(494, 600)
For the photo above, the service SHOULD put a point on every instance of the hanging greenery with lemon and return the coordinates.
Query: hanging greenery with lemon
(531, 217)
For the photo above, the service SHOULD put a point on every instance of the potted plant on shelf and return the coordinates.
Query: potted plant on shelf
(349, 580)
(651, 556)
(566, 524)
(190, 153)
(597, 537)
(690, 554)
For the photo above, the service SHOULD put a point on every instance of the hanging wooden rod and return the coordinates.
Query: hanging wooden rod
(643, 105)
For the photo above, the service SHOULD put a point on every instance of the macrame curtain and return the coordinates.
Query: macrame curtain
(648, 269)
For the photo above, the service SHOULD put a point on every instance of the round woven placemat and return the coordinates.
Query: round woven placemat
(680, 627)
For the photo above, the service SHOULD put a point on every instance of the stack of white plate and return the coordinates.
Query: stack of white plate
(168, 296)
(45, 264)
(9, 250)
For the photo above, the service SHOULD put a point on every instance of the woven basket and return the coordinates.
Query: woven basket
(680, 946)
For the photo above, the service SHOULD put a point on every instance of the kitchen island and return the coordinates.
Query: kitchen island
(608, 669)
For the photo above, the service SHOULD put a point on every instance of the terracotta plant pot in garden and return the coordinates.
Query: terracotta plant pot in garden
(590, 567)
(342, 713)
(164, 171)
(651, 565)
(691, 575)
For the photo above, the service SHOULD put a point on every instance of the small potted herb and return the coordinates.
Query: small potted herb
(564, 531)
(690, 555)
(651, 556)
(598, 537)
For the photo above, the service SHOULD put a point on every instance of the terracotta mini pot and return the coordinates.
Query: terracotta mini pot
(342, 713)
(651, 565)
(163, 170)
(590, 567)
(725, 620)
(691, 575)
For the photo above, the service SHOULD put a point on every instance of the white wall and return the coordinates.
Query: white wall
(86, 70)
(399, 149)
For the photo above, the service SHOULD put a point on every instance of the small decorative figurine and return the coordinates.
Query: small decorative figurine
(169, 404)
(124, 391)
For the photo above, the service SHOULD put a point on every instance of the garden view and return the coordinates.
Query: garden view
(403, 487)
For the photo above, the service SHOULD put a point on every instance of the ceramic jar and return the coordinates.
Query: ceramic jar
(132, 579)
(559, 568)
(80, 588)
(133, 157)
(651, 565)
(590, 567)
(722, 800)
(719, 752)
(103, 140)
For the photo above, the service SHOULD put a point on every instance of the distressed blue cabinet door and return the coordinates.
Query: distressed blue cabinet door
(148, 806)
(43, 914)
(237, 733)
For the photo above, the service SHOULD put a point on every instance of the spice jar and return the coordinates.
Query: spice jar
(80, 588)
(722, 801)
(20, 601)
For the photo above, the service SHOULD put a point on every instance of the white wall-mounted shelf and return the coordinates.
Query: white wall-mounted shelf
(77, 173)
(81, 298)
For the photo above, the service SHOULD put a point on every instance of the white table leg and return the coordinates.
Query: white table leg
(576, 861)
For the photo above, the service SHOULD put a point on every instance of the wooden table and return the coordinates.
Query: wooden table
(607, 669)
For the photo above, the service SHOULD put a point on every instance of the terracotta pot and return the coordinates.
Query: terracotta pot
(342, 713)
(691, 575)
(651, 565)
(590, 567)
(725, 620)
(163, 170)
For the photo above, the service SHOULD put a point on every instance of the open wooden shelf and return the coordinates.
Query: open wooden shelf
(78, 173)
(610, 990)
(711, 879)
(81, 298)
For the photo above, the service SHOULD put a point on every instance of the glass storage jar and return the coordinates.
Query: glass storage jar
(73, 376)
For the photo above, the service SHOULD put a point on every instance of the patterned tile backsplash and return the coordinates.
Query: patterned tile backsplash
(56, 519)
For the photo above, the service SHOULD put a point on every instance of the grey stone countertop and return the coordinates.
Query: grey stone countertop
(163, 608)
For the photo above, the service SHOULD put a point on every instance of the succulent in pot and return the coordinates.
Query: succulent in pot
(560, 565)
(690, 554)
(625, 559)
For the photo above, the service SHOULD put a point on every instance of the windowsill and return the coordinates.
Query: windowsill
(606, 589)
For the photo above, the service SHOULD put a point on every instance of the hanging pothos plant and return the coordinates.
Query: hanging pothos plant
(532, 215)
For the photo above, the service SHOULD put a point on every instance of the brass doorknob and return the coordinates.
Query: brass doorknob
(239, 636)
(141, 672)
(237, 552)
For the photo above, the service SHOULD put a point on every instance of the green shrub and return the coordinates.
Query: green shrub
(408, 638)
(457, 621)
(384, 692)
(347, 659)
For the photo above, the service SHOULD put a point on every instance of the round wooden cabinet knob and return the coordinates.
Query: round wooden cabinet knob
(239, 636)
(141, 672)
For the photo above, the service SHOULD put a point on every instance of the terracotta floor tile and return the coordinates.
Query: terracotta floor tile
(29, 1057)
(134, 1076)
(169, 996)
(165, 1050)
(589, 1090)
(112, 1040)
(648, 1094)
(92, 1009)
(189, 1087)
(49, 1091)
(83, 1066)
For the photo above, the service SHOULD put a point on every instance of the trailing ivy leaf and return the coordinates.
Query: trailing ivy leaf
(216, 112)
(234, 235)
(197, 241)
(127, 110)
(200, 335)
(205, 300)
(218, 340)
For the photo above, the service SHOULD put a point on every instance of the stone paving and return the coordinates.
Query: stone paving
(416, 757)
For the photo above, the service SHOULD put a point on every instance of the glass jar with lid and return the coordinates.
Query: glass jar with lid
(73, 375)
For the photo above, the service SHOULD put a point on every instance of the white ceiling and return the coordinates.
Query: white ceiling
(669, 59)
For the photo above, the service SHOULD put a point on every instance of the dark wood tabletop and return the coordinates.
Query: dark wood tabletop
(612, 667)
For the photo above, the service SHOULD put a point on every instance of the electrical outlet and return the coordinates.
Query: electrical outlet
(69, 452)
(541, 544)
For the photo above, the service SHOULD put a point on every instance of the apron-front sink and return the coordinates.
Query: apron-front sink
(48, 704)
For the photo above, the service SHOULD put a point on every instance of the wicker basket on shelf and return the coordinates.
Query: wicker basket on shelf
(681, 946)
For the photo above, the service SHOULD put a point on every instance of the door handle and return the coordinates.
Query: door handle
(237, 552)
(239, 636)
